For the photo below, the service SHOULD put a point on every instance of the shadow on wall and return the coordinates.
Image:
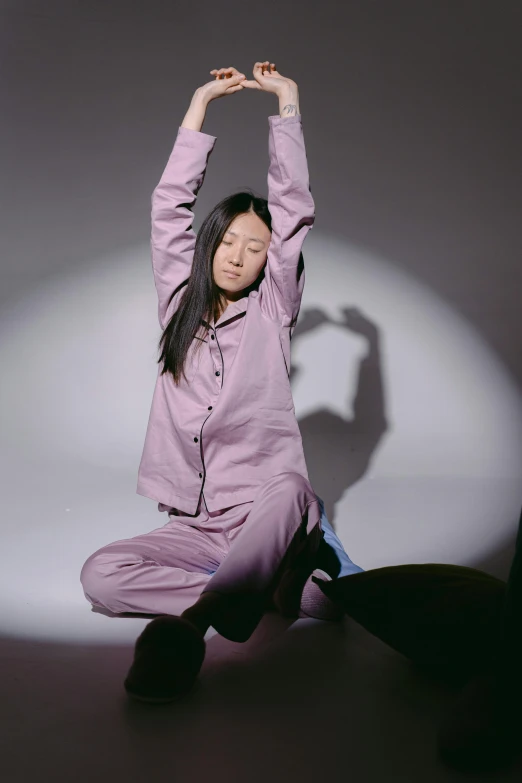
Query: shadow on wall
(343, 447)
(339, 447)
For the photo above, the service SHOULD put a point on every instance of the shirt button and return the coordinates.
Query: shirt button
(212, 337)
(201, 475)
(195, 440)
(218, 373)
(210, 407)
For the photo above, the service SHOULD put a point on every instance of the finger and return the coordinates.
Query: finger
(257, 71)
(233, 85)
(233, 88)
(261, 67)
(233, 81)
(234, 78)
(227, 72)
(228, 75)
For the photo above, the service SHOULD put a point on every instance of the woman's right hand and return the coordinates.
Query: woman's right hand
(226, 81)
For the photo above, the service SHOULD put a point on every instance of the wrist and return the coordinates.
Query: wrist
(289, 103)
(195, 116)
(200, 98)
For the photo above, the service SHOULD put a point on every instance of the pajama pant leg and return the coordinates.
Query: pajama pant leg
(282, 532)
(161, 572)
(246, 547)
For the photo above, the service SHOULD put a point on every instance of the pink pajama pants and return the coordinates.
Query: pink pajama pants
(247, 547)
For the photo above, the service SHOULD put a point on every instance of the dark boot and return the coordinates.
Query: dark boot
(167, 658)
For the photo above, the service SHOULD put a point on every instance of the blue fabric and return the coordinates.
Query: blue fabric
(332, 557)
(335, 547)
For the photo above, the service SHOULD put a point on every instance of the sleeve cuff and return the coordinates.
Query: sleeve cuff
(193, 138)
(276, 119)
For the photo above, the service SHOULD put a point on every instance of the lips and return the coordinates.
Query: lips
(230, 274)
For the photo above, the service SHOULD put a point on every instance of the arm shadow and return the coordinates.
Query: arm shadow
(339, 450)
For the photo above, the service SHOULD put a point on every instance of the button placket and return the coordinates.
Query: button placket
(217, 373)
(210, 407)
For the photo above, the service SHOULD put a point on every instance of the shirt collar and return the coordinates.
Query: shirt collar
(233, 309)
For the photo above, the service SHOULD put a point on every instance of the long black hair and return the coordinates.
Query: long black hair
(202, 298)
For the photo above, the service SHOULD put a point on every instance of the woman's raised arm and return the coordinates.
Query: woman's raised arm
(289, 199)
(172, 237)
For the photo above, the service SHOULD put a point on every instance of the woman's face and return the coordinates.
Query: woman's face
(243, 251)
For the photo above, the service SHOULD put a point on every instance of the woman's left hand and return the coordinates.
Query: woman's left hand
(226, 81)
(266, 78)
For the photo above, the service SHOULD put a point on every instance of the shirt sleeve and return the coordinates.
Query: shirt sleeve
(292, 210)
(173, 239)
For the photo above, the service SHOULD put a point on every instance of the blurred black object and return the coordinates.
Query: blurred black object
(445, 618)
(483, 729)
(460, 623)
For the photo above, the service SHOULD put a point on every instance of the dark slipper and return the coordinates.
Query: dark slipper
(168, 655)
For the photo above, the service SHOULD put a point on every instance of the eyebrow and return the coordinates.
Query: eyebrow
(254, 239)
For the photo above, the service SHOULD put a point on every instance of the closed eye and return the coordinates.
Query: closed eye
(252, 251)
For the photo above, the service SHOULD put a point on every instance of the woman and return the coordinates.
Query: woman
(223, 452)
